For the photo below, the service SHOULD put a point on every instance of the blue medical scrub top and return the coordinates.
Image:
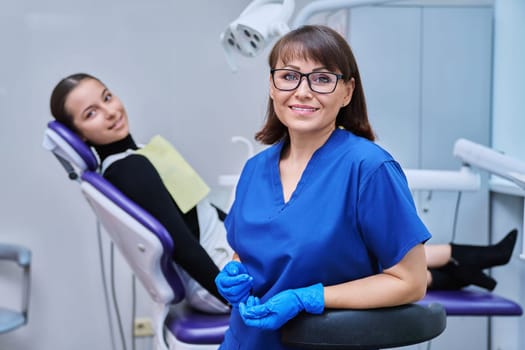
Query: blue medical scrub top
(350, 216)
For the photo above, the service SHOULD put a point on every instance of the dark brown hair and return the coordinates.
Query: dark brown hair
(324, 45)
(60, 94)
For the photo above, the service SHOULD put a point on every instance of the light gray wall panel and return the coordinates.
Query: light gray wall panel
(387, 44)
(456, 91)
(457, 46)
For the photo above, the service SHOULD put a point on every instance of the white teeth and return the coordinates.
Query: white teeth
(304, 109)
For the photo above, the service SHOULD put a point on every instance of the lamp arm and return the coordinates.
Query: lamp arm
(443, 180)
(288, 6)
(330, 5)
(490, 160)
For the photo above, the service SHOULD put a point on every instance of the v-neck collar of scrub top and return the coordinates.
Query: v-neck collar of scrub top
(335, 137)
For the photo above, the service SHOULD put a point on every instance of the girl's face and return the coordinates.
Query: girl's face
(305, 111)
(98, 115)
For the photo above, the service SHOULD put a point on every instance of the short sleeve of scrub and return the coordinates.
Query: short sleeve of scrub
(387, 212)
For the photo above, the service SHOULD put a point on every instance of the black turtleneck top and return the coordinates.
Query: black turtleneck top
(135, 176)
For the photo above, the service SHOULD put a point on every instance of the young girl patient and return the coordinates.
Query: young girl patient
(84, 104)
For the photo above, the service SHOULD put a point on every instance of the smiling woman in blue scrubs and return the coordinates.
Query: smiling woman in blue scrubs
(323, 218)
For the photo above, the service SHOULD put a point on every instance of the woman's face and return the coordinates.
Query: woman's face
(98, 115)
(305, 111)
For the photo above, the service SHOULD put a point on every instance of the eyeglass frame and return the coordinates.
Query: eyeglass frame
(338, 77)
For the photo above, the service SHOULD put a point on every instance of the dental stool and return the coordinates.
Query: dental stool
(394, 327)
(147, 248)
(145, 245)
(366, 329)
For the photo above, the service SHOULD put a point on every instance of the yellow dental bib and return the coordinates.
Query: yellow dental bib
(185, 186)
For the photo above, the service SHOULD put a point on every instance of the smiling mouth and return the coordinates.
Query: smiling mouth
(117, 123)
(303, 109)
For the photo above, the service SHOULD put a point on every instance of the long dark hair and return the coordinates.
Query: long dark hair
(324, 45)
(60, 94)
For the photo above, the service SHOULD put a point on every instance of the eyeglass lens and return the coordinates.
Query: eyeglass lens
(287, 79)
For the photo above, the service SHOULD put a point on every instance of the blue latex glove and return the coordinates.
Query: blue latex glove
(234, 283)
(282, 307)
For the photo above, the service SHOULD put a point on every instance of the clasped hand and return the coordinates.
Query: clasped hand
(282, 307)
(234, 283)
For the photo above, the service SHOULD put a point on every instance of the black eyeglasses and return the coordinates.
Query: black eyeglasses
(320, 82)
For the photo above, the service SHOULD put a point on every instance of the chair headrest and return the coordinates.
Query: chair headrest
(64, 143)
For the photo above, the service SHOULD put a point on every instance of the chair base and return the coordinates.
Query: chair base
(189, 329)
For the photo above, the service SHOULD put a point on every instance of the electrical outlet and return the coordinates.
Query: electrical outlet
(143, 327)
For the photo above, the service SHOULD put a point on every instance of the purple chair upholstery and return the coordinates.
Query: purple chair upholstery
(192, 327)
(76, 143)
(468, 302)
(113, 194)
(187, 326)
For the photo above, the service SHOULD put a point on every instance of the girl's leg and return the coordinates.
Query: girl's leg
(484, 257)
(437, 254)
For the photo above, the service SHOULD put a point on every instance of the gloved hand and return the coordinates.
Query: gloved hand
(234, 283)
(282, 307)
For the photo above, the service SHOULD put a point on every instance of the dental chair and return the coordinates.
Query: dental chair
(147, 248)
(11, 319)
(468, 301)
(145, 245)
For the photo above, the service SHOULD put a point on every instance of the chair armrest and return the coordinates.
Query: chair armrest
(365, 329)
(15, 253)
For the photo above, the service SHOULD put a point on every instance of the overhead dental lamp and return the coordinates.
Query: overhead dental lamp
(261, 22)
(265, 20)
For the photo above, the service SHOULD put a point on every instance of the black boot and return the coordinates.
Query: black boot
(484, 257)
(454, 277)
(443, 280)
